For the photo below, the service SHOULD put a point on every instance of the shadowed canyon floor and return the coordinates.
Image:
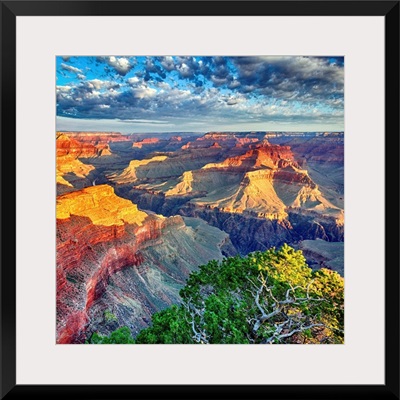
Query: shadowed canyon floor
(136, 214)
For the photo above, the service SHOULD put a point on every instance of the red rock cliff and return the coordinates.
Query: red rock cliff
(98, 234)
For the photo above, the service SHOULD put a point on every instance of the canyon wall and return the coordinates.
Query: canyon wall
(135, 216)
(103, 240)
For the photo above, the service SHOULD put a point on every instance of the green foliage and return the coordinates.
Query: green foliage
(169, 326)
(109, 316)
(120, 336)
(266, 297)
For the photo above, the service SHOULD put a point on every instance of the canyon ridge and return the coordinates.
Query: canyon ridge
(136, 214)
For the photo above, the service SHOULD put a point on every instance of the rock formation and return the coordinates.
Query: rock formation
(263, 182)
(70, 171)
(112, 256)
(136, 215)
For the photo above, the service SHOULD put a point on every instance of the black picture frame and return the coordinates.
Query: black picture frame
(12, 9)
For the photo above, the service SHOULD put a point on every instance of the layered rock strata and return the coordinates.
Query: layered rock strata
(103, 240)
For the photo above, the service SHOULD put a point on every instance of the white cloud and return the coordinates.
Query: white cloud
(184, 70)
(64, 89)
(70, 68)
(143, 92)
(121, 65)
(133, 81)
(168, 63)
(163, 85)
(252, 93)
(96, 84)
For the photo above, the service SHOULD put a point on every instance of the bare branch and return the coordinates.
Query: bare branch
(257, 300)
(199, 335)
(308, 288)
(271, 294)
(286, 335)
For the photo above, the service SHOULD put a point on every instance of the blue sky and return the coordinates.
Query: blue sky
(200, 94)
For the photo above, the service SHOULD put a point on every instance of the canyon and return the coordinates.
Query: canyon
(113, 257)
(136, 214)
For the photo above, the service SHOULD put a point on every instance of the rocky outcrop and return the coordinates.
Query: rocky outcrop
(84, 157)
(259, 156)
(208, 198)
(100, 205)
(260, 196)
(138, 169)
(96, 235)
(323, 146)
(252, 231)
(322, 254)
(162, 167)
(70, 171)
(67, 145)
(146, 141)
(112, 256)
(241, 142)
(322, 155)
(97, 137)
(264, 181)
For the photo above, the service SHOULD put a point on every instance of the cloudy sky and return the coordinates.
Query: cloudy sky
(200, 94)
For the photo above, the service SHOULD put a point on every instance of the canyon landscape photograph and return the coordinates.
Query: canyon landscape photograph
(199, 199)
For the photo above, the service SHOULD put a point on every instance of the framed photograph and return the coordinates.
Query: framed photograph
(200, 197)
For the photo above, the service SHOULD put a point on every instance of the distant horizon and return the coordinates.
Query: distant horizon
(190, 93)
(197, 132)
